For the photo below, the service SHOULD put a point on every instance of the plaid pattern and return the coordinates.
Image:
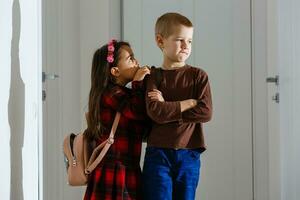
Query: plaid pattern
(118, 176)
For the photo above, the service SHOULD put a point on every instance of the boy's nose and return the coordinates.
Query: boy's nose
(184, 45)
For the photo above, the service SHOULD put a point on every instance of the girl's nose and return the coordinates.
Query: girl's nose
(136, 62)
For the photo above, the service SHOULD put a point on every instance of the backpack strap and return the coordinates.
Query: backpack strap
(100, 151)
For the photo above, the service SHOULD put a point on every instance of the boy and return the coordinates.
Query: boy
(178, 105)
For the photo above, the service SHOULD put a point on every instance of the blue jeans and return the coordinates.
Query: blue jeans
(170, 174)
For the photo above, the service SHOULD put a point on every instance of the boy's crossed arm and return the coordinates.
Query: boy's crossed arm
(202, 112)
(189, 110)
(156, 95)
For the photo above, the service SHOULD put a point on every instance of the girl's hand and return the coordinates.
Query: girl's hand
(141, 73)
(156, 95)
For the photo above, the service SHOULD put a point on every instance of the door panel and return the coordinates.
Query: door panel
(61, 108)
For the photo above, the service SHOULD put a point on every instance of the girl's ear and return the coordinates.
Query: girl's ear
(115, 71)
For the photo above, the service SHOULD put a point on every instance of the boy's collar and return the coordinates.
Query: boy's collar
(172, 68)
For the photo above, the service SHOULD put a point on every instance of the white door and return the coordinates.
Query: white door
(61, 107)
(273, 101)
(70, 38)
(289, 71)
(222, 47)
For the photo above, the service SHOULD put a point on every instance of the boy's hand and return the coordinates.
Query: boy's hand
(141, 73)
(156, 95)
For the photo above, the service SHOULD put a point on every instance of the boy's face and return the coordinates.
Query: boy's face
(177, 47)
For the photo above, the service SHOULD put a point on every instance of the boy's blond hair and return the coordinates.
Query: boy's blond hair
(165, 23)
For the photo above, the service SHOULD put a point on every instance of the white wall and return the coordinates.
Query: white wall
(5, 73)
(289, 70)
(20, 105)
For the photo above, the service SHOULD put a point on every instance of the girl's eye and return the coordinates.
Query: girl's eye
(131, 59)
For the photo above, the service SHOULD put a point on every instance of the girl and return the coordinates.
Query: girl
(118, 174)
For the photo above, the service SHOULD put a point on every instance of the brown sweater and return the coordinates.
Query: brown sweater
(171, 128)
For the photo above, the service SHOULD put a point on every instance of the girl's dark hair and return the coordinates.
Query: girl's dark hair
(100, 77)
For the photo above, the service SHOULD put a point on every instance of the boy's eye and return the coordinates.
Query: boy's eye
(182, 40)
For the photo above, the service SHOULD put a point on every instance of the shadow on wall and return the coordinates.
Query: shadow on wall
(16, 108)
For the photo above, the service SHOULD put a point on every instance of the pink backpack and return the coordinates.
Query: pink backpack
(78, 164)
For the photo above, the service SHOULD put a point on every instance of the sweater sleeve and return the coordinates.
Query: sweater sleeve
(161, 112)
(130, 104)
(203, 111)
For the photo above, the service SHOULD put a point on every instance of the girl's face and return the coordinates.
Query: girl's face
(126, 67)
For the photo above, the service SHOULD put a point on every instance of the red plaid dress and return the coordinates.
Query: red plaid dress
(118, 176)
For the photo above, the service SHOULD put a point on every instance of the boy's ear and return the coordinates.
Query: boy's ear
(115, 71)
(159, 41)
